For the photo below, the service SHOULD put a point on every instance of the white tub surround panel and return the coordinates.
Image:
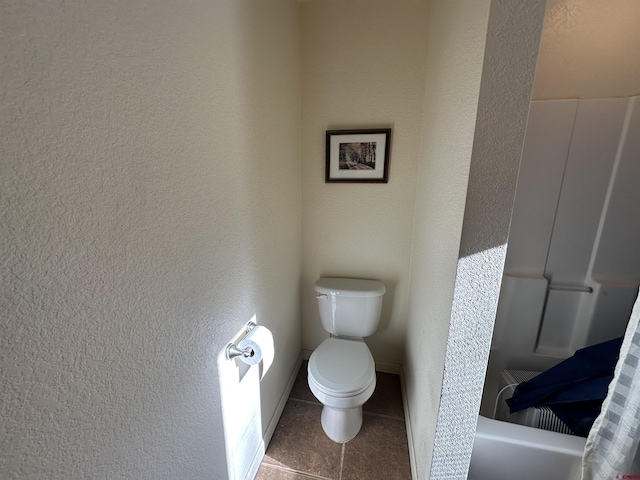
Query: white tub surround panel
(579, 236)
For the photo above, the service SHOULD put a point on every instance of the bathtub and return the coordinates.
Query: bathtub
(506, 451)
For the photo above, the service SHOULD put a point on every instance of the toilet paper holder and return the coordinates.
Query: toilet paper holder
(232, 350)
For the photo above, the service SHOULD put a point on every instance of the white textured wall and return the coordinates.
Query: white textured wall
(363, 66)
(457, 31)
(150, 203)
(589, 49)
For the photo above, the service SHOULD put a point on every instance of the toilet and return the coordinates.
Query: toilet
(341, 371)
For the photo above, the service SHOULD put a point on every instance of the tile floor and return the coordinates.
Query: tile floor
(300, 450)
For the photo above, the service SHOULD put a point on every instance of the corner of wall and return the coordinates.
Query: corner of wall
(512, 42)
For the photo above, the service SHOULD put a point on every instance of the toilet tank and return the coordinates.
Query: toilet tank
(349, 307)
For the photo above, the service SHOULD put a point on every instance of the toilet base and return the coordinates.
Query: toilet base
(341, 424)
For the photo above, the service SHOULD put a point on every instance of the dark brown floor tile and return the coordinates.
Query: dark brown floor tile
(387, 397)
(267, 472)
(379, 451)
(300, 444)
(301, 390)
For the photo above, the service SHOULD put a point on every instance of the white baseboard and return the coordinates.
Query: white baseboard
(385, 367)
(283, 400)
(256, 461)
(407, 423)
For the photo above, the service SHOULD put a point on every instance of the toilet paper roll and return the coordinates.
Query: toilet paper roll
(260, 340)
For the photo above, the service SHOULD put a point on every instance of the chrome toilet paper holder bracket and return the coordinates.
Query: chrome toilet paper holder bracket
(232, 350)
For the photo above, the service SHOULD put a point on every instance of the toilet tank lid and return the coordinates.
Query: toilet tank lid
(350, 287)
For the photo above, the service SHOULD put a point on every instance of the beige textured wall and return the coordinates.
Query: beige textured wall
(589, 49)
(363, 65)
(150, 198)
(457, 31)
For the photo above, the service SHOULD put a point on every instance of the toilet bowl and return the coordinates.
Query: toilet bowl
(342, 377)
(341, 371)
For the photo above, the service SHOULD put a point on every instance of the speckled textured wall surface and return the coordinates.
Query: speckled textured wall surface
(457, 31)
(150, 206)
(507, 80)
(589, 49)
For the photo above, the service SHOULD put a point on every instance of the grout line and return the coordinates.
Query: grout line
(293, 470)
(382, 415)
(305, 401)
(342, 460)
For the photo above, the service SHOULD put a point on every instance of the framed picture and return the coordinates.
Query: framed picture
(358, 155)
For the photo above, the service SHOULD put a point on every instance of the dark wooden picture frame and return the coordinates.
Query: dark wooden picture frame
(358, 156)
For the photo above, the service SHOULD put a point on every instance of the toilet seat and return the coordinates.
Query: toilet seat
(342, 368)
